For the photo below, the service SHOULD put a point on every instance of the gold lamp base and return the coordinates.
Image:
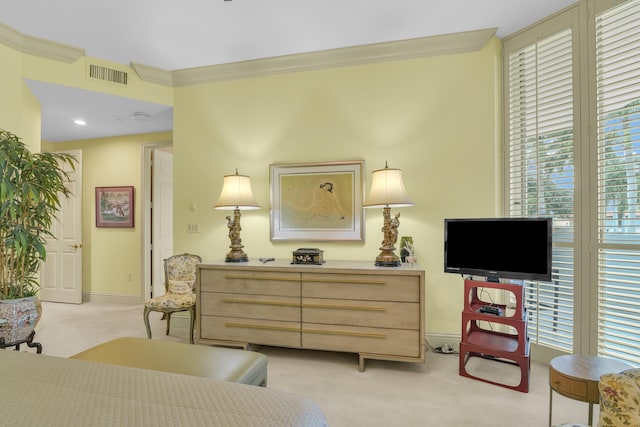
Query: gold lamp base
(387, 258)
(236, 255)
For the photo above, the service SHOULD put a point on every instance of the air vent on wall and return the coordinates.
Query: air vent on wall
(107, 74)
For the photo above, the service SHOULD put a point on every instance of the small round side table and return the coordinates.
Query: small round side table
(576, 377)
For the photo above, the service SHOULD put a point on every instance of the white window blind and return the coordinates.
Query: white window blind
(541, 173)
(618, 136)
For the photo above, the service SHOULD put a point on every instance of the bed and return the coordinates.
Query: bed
(39, 390)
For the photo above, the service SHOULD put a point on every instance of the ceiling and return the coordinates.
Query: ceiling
(176, 35)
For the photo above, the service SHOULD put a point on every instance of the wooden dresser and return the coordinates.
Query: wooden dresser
(349, 306)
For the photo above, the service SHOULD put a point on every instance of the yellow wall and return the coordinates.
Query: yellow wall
(30, 123)
(19, 110)
(10, 87)
(435, 118)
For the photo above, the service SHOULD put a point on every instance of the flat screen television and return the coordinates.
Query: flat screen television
(499, 248)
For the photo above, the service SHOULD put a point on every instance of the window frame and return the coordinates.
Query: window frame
(580, 17)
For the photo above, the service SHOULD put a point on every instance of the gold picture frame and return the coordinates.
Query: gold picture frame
(317, 201)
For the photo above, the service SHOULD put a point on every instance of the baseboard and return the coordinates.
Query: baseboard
(112, 298)
(439, 340)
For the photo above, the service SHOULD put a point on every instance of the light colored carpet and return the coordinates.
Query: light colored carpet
(386, 394)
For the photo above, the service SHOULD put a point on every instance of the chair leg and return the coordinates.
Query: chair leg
(192, 314)
(168, 322)
(146, 322)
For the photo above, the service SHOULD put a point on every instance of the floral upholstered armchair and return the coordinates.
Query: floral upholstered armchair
(620, 399)
(179, 282)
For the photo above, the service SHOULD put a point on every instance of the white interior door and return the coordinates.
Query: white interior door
(61, 274)
(162, 215)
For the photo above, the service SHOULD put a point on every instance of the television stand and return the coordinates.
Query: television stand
(493, 344)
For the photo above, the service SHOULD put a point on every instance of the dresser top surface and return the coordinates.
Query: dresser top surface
(327, 266)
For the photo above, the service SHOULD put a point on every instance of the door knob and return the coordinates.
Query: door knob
(76, 246)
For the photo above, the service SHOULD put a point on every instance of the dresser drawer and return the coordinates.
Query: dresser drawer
(361, 286)
(250, 282)
(398, 315)
(267, 332)
(353, 339)
(271, 307)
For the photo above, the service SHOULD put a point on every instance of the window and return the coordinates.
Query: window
(541, 173)
(572, 147)
(618, 165)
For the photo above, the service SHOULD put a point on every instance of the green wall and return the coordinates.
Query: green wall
(436, 118)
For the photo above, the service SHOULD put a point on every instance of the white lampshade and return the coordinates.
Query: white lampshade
(387, 189)
(236, 193)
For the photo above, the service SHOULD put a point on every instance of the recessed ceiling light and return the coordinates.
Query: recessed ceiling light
(79, 122)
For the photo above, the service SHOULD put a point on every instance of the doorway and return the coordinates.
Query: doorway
(61, 274)
(158, 215)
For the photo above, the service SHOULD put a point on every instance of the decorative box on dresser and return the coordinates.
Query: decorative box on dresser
(347, 306)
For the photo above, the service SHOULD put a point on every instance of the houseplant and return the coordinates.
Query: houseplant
(32, 186)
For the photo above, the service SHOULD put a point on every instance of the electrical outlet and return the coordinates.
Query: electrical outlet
(193, 228)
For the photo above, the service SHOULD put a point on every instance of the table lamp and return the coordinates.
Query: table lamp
(236, 195)
(387, 191)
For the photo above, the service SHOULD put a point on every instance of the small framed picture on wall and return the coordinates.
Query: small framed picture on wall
(114, 207)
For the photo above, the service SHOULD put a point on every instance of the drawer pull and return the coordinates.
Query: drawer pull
(349, 334)
(344, 307)
(349, 281)
(272, 278)
(295, 304)
(264, 327)
(306, 279)
(250, 301)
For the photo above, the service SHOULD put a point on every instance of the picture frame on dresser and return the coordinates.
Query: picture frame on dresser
(317, 201)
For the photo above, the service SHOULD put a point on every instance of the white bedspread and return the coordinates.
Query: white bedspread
(40, 390)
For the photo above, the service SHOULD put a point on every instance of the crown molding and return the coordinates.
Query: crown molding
(10, 37)
(39, 47)
(468, 41)
(152, 74)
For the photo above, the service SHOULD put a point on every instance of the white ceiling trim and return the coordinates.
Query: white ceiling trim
(39, 47)
(468, 41)
(153, 74)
